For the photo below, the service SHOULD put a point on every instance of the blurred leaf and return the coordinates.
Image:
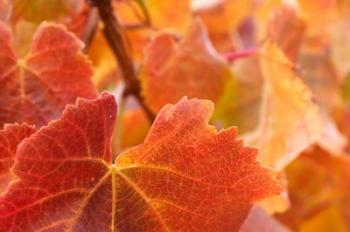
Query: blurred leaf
(319, 193)
(175, 15)
(37, 11)
(190, 67)
(290, 121)
(286, 28)
(260, 221)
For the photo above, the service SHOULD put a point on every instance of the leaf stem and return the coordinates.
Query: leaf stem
(90, 30)
(233, 56)
(143, 7)
(113, 33)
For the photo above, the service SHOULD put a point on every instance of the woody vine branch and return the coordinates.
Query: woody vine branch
(115, 37)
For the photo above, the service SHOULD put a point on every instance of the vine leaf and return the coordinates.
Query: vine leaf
(10, 137)
(38, 10)
(290, 120)
(185, 176)
(36, 89)
(322, 201)
(163, 15)
(193, 62)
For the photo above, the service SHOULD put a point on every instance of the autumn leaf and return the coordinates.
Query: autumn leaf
(278, 70)
(135, 126)
(163, 15)
(286, 28)
(5, 6)
(190, 68)
(10, 137)
(36, 89)
(105, 67)
(340, 35)
(27, 15)
(39, 10)
(312, 9)
(240, 103)
(138, 31)
(222, 19)
(322, 202)
(290, 120)
(185, 176)
(287, 107)
(81, 22)
(320, 74)
(223, 16)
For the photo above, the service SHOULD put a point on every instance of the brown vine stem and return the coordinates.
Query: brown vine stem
(90, 29)
(113, 33)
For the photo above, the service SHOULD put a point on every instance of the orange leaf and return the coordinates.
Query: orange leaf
(137, 31)
(319, 192)
(320, 74)
(290, 120)
(40, 10)
(5, 10)
(224, 16)
(186, 176)
(10, 137)
(37, 88)
(190, 68)
(286, 28)
(221, 19)
(105, 67)
(135, 126)
(240, 104)
(313, 9)
(169, 14)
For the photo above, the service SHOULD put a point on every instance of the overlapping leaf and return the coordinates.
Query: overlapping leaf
(224, 16)
(240, 104)
(10, 137)
(105, 67)
(27, 15)
(163, 15)
(320, 74)
(40, 10)
(138, 30)
(319, 193)
(5, 6)
(340, 35)
(190, 67)
(222, 19)
(290, 121)
(135, 126)
(36, 89)
(312, 9)
(286, 28)
(186, 176)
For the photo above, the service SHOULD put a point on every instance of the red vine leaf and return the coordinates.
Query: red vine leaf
(186, 176)
(10, 137)
(37, 88)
